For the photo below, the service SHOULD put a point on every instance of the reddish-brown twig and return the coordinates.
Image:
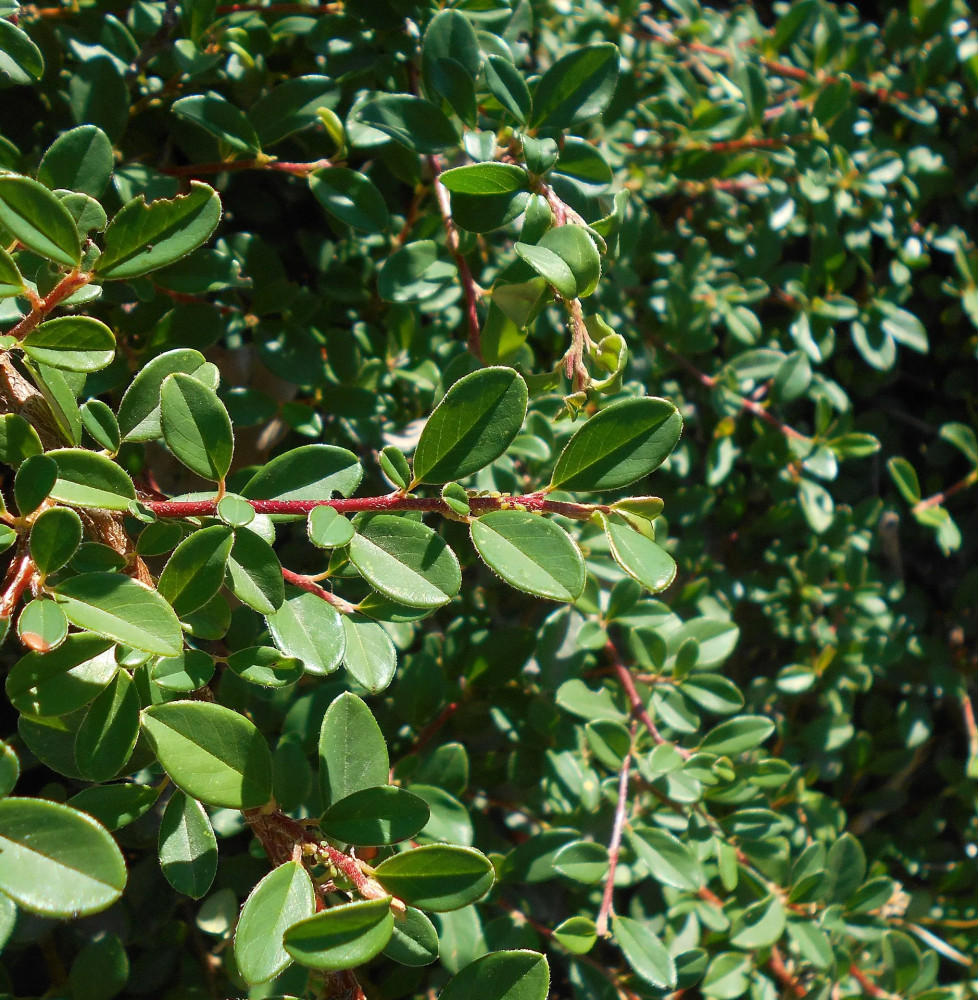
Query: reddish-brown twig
(69, 284)
(311, 587)
(614, 847)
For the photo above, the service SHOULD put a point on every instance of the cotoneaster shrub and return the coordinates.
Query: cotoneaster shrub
(349, 650)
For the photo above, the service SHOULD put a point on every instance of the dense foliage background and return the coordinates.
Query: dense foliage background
(760, 782)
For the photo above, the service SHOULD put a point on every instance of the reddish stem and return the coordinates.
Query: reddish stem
(938, 498)
(635, 700)
(278, 8)
(18, 584)
(783, 976)
(868, 986)
(535, 502)
(254, 163)
(310, 586)
(424, 737)
(614, 848)
(70, 283)
(469, 288)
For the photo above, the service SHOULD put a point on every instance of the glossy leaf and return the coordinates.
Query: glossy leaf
(412, 121)
(121, 609)
(352, 750)
(310, 629)
(644, 952)
(472, 426)
(639, 556)
(74, 343)
(310, 472)
(55, 537)
(195, 571)
(384, 814)
(368, 653)
(56, 861)
(505, 975)
(221, 118)
(530, 553)
(256, 573)
(196, 426)
(211, 752)
(437, 877)
(87, 479)
(188, 847)
(567, 258)
(618, 445)
(350, 197)
(580, 85)
(343, 936)
(108, 733)
(139, 411)
(281, 899)
(79, 160)
(32, 214)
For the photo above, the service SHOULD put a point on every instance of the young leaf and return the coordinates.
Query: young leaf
(472, 426)
(503, 975)
(142, 238)
(211, 752)
(108, 733)
(406, 561)
(281, 899)
(352, 750)
(621, 443)
(196, 426)
(56, 861)
(530, 553)
(437, 877)
(309, 628)
(188, 847)
(638, 556)
(578, 86)
(74, 343)
(343, 936)
(374, 817)
(36, 217)
(112, 605)
(195, 571)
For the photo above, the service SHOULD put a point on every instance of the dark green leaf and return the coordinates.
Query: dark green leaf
(188, 847)
(55, 536)
(437, 877)
(309, 628)
(195, 571)
(221, 118)
(343, 936)
(196, 426)
(351, 197)
(384, 814)
(505, 975)
(412, 121)
(80, 159)
(74, 343)
(578, 86)
(106, 737)
(352, 750)
(31, 213)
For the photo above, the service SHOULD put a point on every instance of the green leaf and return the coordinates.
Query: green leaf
(578, 86)
(374, 817)
(56, 861)
(33, 482)
(416, 272)
(309, 628)
(266, 666)
(343, 936)
(280, 900)
(330, 530)
(11, 280)
(211, 752)
(256, 573)
(504, 975)
(414, 941)
(108, 733)
(139, 411)
(760, 925)
(9, 769)
(118, 608)
(74, 343)
(62, 680)
(737, 735)
(18, 440)
(188, 847)
(142, 238)
(369, 655)
(311, 472)
(115, 806)
(577, 935)
(350, 197)
(191, 670)
(412, 121)
(221, 118)
(406, 561)
(638, 556)
(352, 750)
(667, 858)
(21, 61)
(904, 327)
(962, 437)
(100, 970)
(290, 107)
(583, 861)
(55, 537)
(195, 571)
(567, 257)
(98, 419)
(80, 159)
(485, 179)
(449, 36)
(644, 952)
(196, 426)
(530, 553)
(437, 877)
(42, 625)
(506, 84)
(87, 479)
(473, 425)
(618, 445)
(32, 214)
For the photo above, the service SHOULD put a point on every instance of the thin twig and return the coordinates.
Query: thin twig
(311, 587)
(938, 498)
(252, 163)
(69, 284)
(777, 966)
(614, 848)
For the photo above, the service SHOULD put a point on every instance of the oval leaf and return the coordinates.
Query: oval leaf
(437, 877)
(341, 937)
(188, 847)
(74, 343)
(196, 426)
(374, 817)
(504, 975)
(37, 219)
